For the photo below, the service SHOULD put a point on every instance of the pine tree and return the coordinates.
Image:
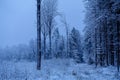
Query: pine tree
(75, 46)
(102, 32)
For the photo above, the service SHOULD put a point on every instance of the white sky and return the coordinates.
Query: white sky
(18, 19)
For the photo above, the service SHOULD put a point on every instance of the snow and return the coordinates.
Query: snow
(56, 69)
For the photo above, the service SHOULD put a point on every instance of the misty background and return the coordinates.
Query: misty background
(76, 40)
(18, 19)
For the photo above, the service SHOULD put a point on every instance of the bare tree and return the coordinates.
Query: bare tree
(56, 40)
(63, 20)
(39, 34)
(50, 12)
(44, 29)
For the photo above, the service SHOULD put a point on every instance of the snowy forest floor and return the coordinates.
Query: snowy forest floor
(56, 69)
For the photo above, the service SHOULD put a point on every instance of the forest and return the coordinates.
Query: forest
(93, 54)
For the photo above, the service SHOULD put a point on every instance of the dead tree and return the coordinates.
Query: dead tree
(67, 34)
(50, 12)
(44, 29)
(38, 34)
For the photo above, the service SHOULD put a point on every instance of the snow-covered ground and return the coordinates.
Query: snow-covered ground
(55, 69)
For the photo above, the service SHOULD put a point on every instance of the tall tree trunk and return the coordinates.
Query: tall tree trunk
(106, 43)
(44, 45)
(67, 42)
(96, 47)
(56, 45)
(106, 40)
(38, 34)
(112, 45)
(50, 43)
(118, 45)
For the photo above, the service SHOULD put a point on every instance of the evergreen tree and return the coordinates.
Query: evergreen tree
(102, 31)
(75, 46)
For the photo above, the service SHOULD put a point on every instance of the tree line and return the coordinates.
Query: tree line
(46, 14)
(100, 44)
(50, 43)
(59, 48)
(102, 32)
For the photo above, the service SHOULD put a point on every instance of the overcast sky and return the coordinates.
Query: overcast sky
(18, 19)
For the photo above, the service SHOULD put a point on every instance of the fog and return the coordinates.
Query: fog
(18, 19)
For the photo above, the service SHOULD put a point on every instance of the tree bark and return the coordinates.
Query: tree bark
(44, 45)
(38, 34)
(118, 45)
(50, 43)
